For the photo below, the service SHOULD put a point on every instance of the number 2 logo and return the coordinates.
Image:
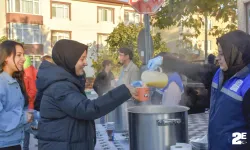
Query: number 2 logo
(236, 138)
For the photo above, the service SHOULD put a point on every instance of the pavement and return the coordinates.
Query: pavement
(197, 128)
(33, 143)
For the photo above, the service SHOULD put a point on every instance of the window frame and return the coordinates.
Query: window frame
(12, 29)
(112, 14)
(11, 7)
(98, 42)
(209, 45)
(209, 24)
(59, 3)
(33, 59)
(132, 11)
(59, 31)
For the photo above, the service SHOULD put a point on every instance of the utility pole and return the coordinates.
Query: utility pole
(148, 46)
(206, 34)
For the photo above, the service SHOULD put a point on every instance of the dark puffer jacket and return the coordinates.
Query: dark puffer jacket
(67, 116)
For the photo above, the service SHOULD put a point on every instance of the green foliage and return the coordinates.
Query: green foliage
(125, 36)
(105, 54)
(159, 45)
(4, 38)
(190, 14)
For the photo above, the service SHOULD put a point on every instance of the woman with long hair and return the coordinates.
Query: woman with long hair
(13, 97)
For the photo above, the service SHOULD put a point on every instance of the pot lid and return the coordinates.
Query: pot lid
(157, 109)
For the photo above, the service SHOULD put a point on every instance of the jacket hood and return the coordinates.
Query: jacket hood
(50, 73)
(236, 50)
(66, 53)
(236, 47)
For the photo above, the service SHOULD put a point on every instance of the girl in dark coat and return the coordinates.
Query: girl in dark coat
(67, 115)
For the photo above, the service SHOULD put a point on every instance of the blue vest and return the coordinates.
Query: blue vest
(226, 116)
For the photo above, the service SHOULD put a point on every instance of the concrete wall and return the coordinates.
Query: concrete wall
(2, 18)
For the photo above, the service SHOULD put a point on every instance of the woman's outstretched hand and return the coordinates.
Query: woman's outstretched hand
(132, 91)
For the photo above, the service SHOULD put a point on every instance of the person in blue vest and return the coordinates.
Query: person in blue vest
(229, 115)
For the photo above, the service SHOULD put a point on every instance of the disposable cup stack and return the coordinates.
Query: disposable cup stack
(199, 143)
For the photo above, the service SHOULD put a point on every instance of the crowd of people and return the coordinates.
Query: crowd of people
(53, 96)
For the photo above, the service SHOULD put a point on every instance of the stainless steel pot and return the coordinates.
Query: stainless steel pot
(111, 117)
(121, 118)
(120, 115)
(157, 127)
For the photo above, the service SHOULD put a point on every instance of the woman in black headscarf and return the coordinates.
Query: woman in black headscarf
(230, 90)
(67, 116)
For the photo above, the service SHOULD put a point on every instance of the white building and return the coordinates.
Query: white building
(40, 23)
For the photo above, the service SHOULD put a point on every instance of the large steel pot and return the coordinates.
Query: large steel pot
(157, 127)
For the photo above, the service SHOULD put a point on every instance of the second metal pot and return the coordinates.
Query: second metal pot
(157, 127)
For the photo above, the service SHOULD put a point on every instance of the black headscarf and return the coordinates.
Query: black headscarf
(66, 53)
(236, 50)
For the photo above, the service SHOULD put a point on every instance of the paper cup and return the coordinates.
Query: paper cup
(143, 93)
(110, 130)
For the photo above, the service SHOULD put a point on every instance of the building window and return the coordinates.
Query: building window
(105, 14)
(209, 24)
(27, 33)
(101, 40)
(36, 60)
(209, 45)
(131, 17)
(24, 6)
(61, 10)
(58, 35)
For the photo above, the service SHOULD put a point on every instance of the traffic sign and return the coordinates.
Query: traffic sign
(146, 6)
